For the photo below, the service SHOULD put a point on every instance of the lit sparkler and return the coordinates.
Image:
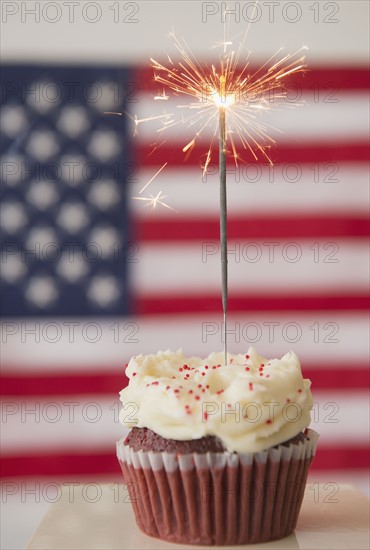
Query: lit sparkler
(227, 100)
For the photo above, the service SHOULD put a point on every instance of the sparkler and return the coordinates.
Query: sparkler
(228, 101)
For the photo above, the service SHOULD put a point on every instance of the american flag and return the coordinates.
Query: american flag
(91, 277)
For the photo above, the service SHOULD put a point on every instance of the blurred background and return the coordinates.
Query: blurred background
(91, 277)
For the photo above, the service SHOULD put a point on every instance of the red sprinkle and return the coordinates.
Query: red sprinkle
(176, 391)
(207, 386)
(250, 386)
(206, 367)
(181, 369)
(214, 367)
(167, 387)
(134, 374)
(247, 356)
(199, 385)
(247, 368)
(261, 373)
(268, 421)
(197, 397)
(205, 415)
(203, 373)
(190, 391)
(262, 365)
(219, 392)
(299, 391)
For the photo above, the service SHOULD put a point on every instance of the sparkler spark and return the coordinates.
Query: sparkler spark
(153, 201)
(229, 87)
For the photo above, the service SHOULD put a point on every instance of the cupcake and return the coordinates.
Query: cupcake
(217, 454)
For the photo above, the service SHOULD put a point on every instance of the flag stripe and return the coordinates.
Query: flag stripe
(300, 119)
(314, 152)
(326, 78)
(178, 303)
(252, 227)
(86, 344)
(289, 188)
(93, 463)
(107, 382)
(295, 266)
(81, 422)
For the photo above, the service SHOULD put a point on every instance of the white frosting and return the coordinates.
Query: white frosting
(251, 403)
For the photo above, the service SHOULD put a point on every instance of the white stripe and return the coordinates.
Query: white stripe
(268, 266)
(89, 422)
(72, 424)
(335, 32)
(335, 415)
(316, 337)
(344, 120)
(293, 188)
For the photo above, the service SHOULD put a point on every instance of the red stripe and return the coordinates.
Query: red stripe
(251, 227)
(109, 383)
(166, 304)
(40, 384)
(310, 152)
(322, 80)
(47, 464)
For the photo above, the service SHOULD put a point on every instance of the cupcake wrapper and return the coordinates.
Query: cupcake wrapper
(218, 498)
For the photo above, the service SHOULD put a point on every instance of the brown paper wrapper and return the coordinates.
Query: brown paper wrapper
(218, 498)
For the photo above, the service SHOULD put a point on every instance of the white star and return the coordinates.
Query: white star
(13, 267)
(73, 120)
(72, 266)
(42, 145)
(103, 290)
(104, 194)
(104, 96)
(13, 120)
(73, 217)
(43, 96)
(39, 239)
(13, 169)
(107, 240)
(13, 216)
(41, 291)
(42, 194)
(74, 169)
(104, 144)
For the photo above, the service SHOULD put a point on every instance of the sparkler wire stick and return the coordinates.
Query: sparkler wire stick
(223, 218)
